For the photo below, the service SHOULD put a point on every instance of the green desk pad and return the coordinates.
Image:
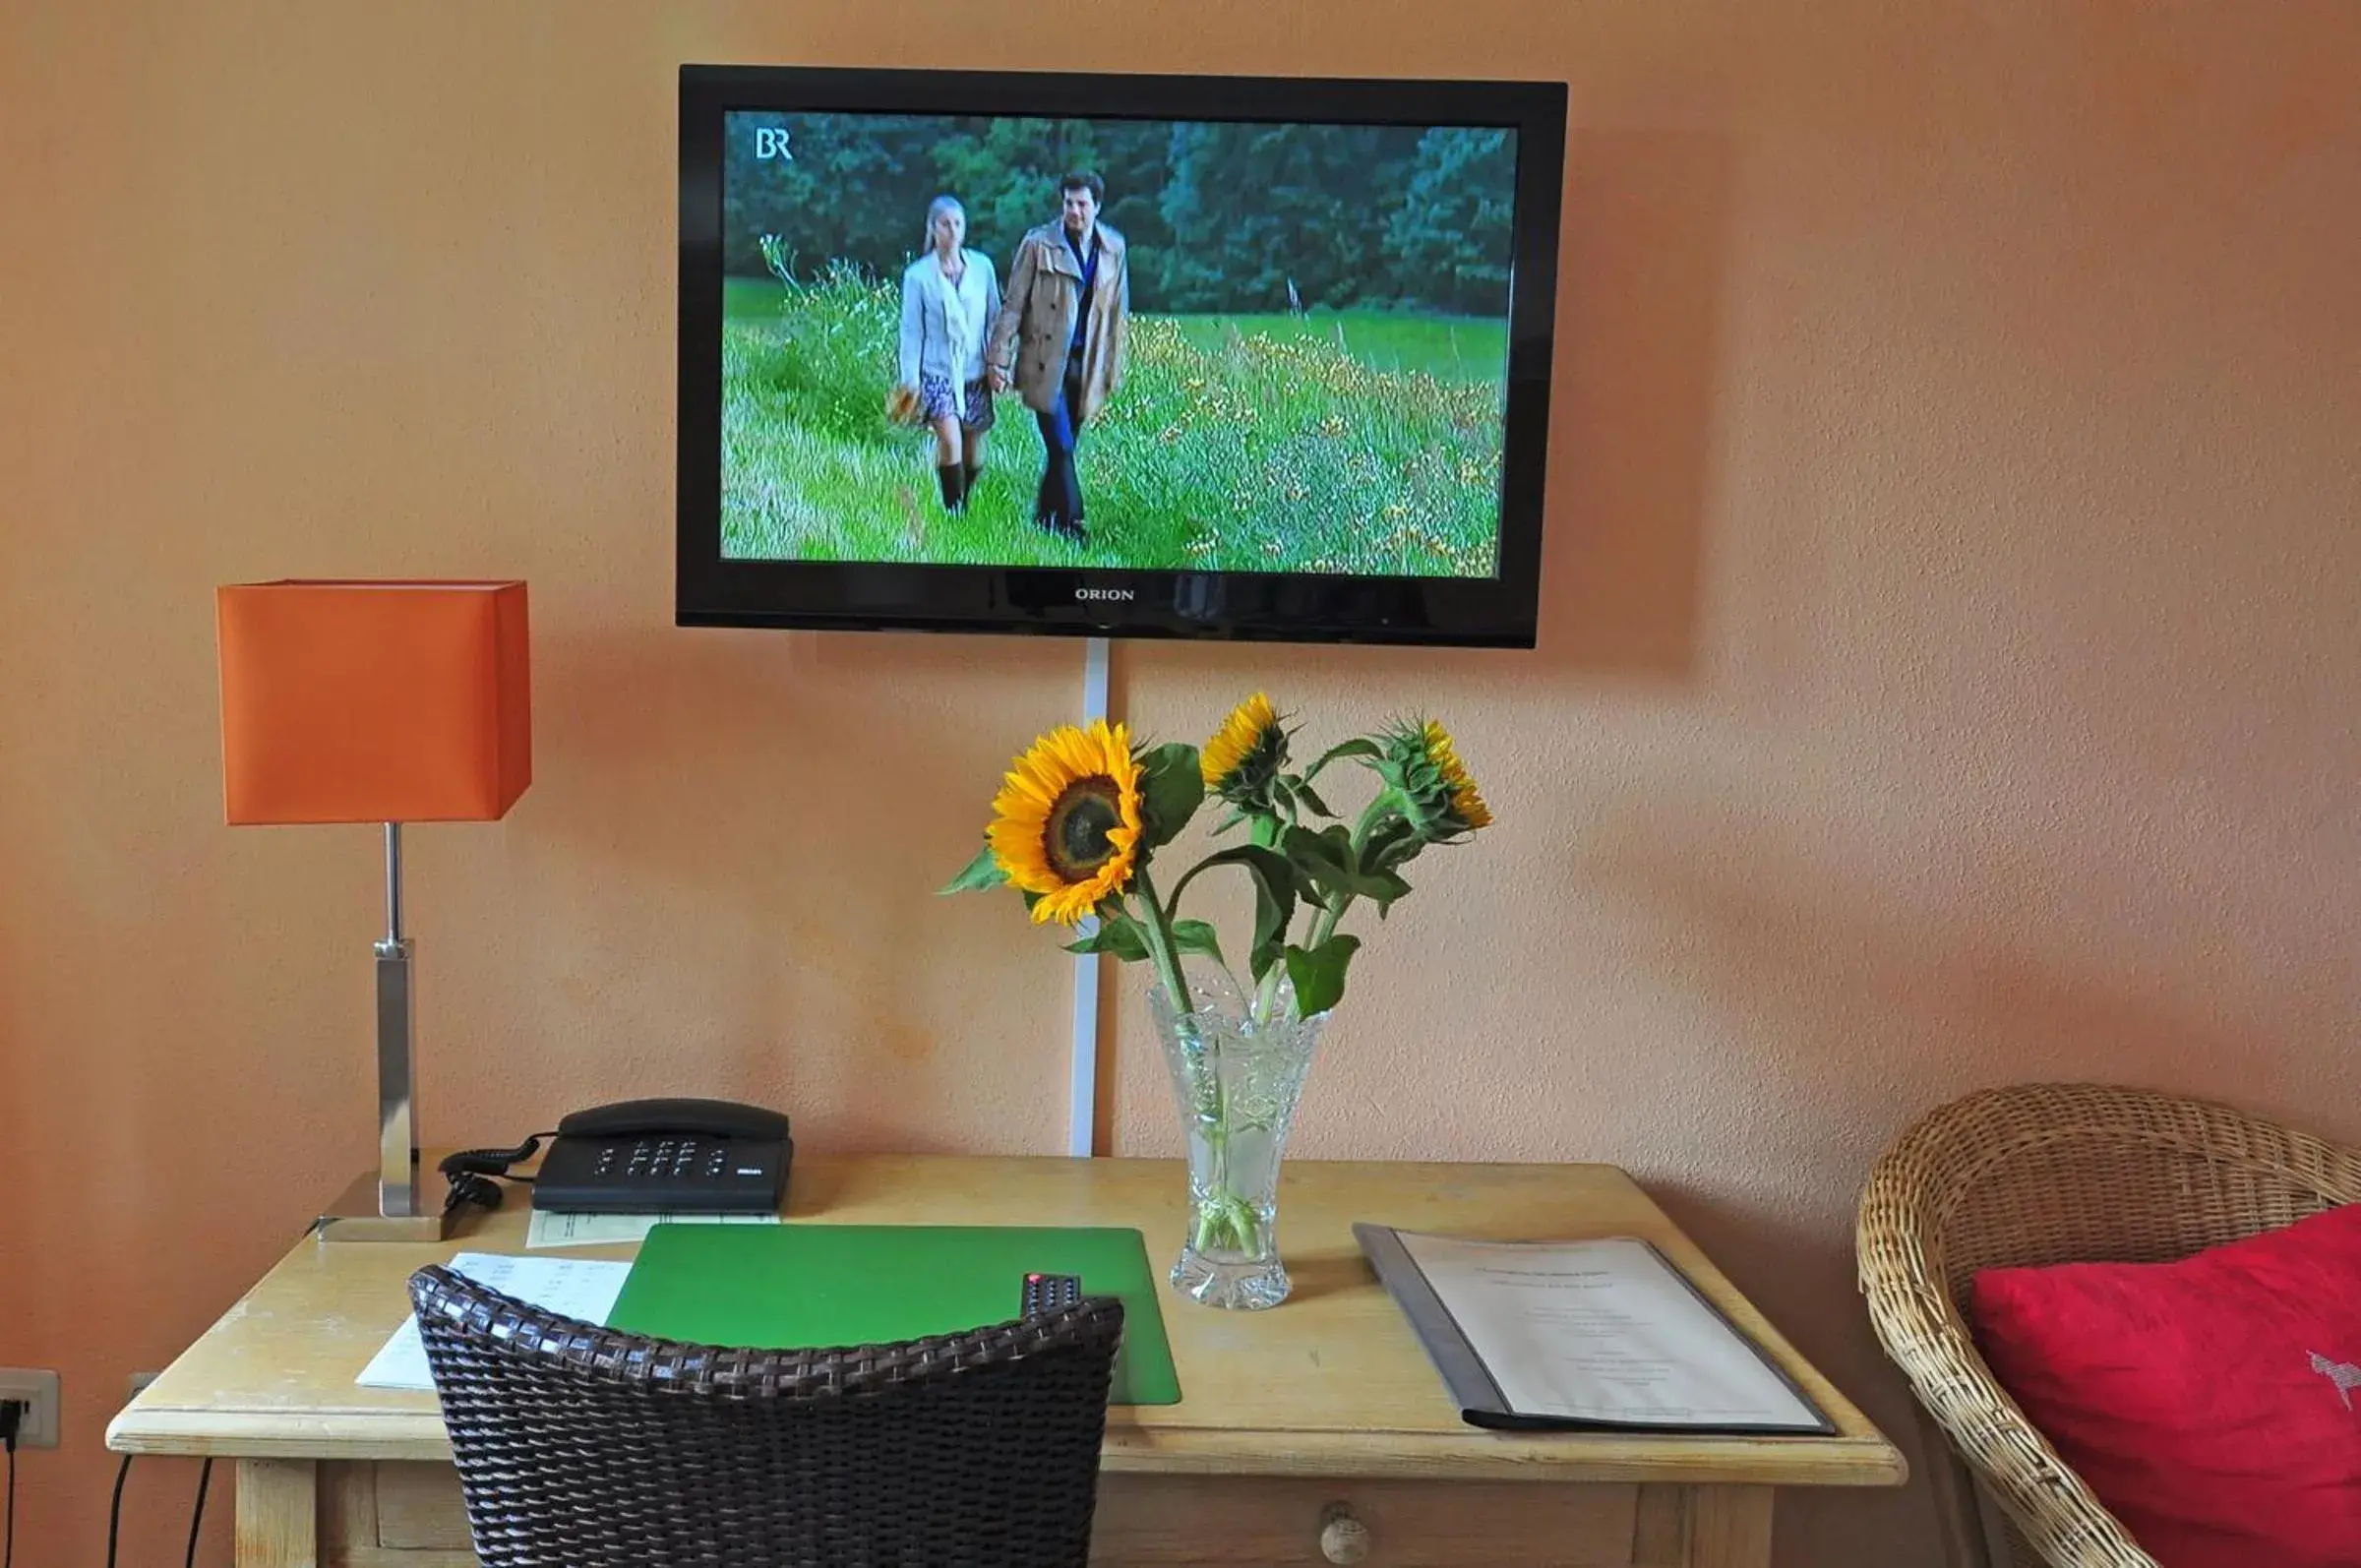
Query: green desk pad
(790, 1287)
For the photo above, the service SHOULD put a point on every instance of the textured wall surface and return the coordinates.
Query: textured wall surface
(1946, 677)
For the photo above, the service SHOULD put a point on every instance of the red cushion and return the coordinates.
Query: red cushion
(2213, 1404)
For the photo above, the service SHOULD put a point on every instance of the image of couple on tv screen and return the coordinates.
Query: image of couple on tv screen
(1162, 346)
(1054, 337)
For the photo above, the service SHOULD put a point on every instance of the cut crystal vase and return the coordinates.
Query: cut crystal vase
(1236, 1082)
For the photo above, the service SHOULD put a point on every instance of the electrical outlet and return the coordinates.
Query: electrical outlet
(37, 1390)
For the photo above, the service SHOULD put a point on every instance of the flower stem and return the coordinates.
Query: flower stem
(1332, 910)
(1162, 952)
(1225, 1218)
(1377, 811)
(1266, 996)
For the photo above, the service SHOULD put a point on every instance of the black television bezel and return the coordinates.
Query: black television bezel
(1501, 611)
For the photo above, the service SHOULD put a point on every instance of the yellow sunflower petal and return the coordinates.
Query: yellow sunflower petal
(1066, 769)
(1236, 737)
(1467, 802)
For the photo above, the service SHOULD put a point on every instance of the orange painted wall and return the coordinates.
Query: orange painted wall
(1946, 676)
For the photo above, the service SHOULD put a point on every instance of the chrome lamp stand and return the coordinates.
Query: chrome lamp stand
(388, 1206)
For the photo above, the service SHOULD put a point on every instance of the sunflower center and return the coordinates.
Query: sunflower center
(1074, 838)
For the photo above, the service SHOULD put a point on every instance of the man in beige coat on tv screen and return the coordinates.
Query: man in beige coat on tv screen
(1059, 337)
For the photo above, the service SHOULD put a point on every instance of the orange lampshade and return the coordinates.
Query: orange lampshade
(374, 702)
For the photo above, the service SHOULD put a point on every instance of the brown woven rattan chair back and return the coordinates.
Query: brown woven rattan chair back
(2053, 1173)
(587, 1448)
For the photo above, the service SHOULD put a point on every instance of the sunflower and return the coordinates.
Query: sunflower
(1244, 755)
(1065, 824)
(1467, 801)
(1437, 796)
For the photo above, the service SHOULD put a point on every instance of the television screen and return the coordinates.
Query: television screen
(1044, 354)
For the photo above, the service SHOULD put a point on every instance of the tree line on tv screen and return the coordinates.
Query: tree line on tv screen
(1353, 216)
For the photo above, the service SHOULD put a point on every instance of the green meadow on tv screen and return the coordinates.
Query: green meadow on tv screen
(1153, 344)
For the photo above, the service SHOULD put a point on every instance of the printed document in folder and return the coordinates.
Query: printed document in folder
(1581, 1333)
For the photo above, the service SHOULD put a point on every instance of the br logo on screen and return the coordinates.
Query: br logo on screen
(1119, 595)
(770, 141)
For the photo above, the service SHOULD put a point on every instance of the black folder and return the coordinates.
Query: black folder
(1478, 1391)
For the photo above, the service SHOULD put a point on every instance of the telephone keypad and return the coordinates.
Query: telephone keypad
(659, 1171)
(679, 1158)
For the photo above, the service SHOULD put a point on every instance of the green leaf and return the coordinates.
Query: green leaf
(1303, 791)
(1171, 786)
(1393, 842)
(982, 871)
(1320, 973)
(1196, 936)
(1260, 862)
(1319, 859)
(1327, 846)
(1274, 897)
(1327, 861)
(1120, 935)
(1387, 887)
(1338, 751)
(1274, 907)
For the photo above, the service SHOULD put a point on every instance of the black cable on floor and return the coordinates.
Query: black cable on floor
(12, 1415)
(114, 1510)
(205, 1478)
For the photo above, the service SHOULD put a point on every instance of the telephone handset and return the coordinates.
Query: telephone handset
(645, 1157)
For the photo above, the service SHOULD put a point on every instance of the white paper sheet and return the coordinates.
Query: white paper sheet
(581, 1288)
(1601, 1331)
(547, 1229)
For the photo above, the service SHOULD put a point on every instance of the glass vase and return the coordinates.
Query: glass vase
(1237, 1083)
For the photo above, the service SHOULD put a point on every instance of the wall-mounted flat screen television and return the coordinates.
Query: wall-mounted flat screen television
(1128, 356)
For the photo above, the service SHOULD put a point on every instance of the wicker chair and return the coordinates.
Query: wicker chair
(2053, 1173)
(595, 1449)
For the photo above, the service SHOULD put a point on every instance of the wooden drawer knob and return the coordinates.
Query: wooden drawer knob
(1343, 1538)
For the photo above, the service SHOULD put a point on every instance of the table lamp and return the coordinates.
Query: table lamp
(386, 702)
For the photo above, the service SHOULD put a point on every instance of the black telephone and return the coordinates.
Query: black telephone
(644, 1157)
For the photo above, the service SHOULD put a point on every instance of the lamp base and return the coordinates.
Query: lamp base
(354, 1217)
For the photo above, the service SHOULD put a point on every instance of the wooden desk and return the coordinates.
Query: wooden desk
(1324, 1403)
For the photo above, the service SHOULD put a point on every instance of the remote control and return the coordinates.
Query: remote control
(1046, 1292)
